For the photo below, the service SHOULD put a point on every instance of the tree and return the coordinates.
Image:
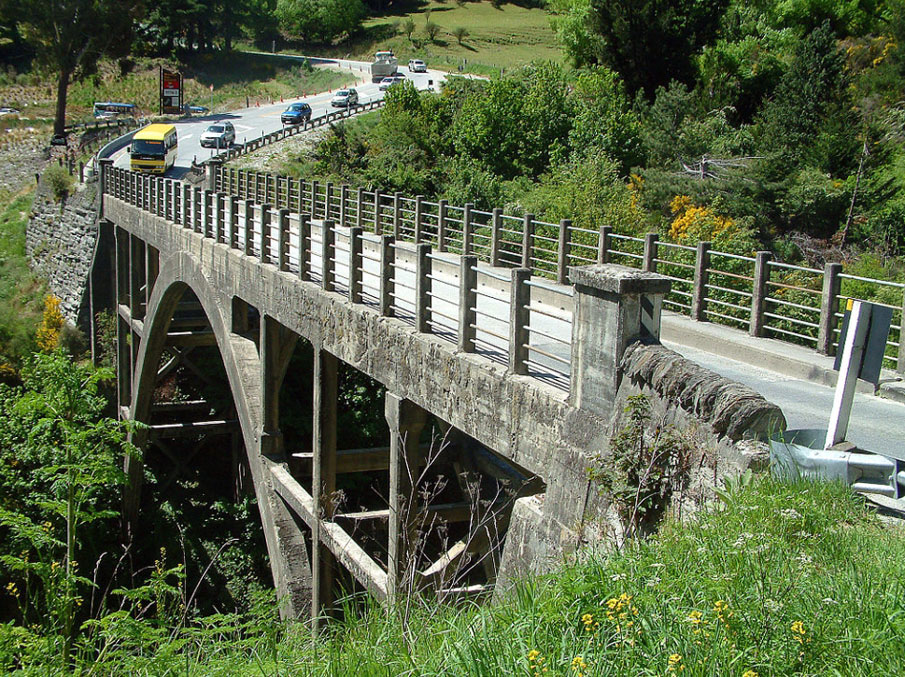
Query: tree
(319, 20)
(71, 35)
(648, 42)
(460, 33)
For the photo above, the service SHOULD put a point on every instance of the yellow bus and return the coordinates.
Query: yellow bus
(153, 149)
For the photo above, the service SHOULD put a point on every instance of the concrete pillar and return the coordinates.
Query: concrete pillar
(520, 297)
(829, 305)
(614, 306)
(276, 346)
(248, 209)
(343, 212)
(359, 205)
(314, 191)
(406, 421)
(196, 210)
(105, 180)
(219, 218)
(468, 301)
(283, 239)
(328, 200)
(323, 483)
(213, 167)
(185, 203)
(419, 218)
(232, 235)
(397, 215)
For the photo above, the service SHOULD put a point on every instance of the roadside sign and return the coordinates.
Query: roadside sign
(875, 344)
(170, 92)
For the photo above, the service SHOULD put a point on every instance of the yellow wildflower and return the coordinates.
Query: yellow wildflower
(798, 632)
(674, 663)
(750, 673)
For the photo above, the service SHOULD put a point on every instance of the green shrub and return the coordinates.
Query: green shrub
(59, 181)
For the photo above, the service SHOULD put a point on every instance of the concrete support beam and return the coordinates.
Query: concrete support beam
(276, 346)
(405, 420)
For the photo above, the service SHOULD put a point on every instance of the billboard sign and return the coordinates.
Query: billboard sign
(170, 92)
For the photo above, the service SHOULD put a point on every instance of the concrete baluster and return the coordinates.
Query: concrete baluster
(563, 250)
(359, 204)
(186, 206)
(527, 240)
(422, 287)
(387, 256)
(343, 211)
(248, 210)
(701, 280)
(355, 264)
(328, 200)
(232, 237)
(196, 209)
(329, 255)
(468, 302)
(314, 191)
(759, 293)
(220, 217)
(419, 218)
(207, 214)
(649, 260)
(519, 299)
(829, 306)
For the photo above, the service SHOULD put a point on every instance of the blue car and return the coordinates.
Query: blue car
(296, 114)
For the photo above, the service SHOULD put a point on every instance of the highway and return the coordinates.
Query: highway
(257, 120)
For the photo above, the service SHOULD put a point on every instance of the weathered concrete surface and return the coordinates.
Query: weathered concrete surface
(520, 418)
(60, 241)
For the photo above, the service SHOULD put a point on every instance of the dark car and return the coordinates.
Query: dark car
(296, 114)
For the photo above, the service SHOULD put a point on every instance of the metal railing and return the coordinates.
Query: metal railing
(764, 297)
(509, 316)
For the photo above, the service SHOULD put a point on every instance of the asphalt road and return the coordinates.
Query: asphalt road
(257, 120)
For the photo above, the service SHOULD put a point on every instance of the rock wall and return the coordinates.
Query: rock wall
(60, 241)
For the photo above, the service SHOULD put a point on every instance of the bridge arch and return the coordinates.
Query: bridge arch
(178, 274)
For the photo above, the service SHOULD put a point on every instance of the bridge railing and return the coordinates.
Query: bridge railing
(508, 316)
(764, 297)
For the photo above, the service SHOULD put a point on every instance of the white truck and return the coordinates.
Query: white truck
(385, 64)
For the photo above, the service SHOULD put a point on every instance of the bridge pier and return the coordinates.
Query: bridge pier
(323, 483)
(406, 421)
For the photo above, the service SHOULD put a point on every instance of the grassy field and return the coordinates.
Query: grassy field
(497, 38)
(233, 76)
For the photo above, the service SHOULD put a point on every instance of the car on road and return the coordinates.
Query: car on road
(220, 135)
(296, 114)
(417, 66)
(192, 109)
(345, 98)
(389, 81)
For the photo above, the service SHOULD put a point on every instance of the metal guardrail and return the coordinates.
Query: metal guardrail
(287, 132)
(764, 297)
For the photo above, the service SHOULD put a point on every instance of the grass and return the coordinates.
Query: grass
(21, 293)
(497, 38)
(777, 579)
(233, 77)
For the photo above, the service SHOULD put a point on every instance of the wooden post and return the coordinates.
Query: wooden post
(304, 245)
(422, 287)
(527, 240)
(603, 244)
(759, 293)
(563, 250)
(467, 229)
(520, 296)
(701, 280)
(468, 300)
(829, 306)
(495, 236)
(387, 266)
(329, 253)
(649, 262)
(355, 263)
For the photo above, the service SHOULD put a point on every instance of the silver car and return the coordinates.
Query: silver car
(220, 135)
(417, 66)
(345, 98)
